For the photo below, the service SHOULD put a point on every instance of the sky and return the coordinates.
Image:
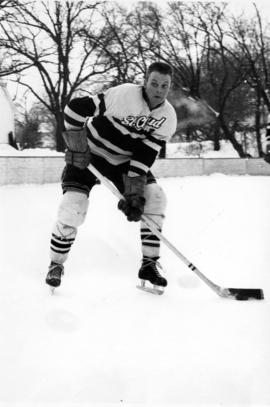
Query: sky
(233, 5)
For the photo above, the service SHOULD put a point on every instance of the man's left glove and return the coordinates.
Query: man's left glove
(133, 203)
(78, 152)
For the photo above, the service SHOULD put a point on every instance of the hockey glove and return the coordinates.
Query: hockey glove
(78, 152)
(133, 204)
(80, 160)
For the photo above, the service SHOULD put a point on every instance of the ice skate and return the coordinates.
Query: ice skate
(149, 273)
(54, 275)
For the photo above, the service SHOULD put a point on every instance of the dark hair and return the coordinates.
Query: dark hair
(160, 67)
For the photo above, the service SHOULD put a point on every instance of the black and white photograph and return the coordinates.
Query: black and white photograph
(134, 203)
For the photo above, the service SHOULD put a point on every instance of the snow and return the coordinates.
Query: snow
(99, 341)
(203, 149)
(7, 150)
(192, 149)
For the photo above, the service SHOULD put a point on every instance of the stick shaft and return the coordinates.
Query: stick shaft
(151, 225)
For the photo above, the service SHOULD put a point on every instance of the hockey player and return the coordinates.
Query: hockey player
(267, 141)
(121, 132)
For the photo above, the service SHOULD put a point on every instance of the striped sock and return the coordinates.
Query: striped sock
(150, 243)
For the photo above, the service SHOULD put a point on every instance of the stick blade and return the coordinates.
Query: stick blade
(243, 294)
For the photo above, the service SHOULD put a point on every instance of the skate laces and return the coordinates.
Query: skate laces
(154, 264)
(56, 270)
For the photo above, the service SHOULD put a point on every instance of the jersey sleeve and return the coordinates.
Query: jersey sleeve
(168, 128)
(79, 109)
(144, 155)
(147, 150)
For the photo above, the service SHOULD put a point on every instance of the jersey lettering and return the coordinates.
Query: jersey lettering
(139, 122)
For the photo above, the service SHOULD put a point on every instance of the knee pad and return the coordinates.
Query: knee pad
(73, 208)
(155, 202)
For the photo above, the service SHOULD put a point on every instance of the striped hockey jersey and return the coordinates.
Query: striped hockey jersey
(122, 128)
(267, 137)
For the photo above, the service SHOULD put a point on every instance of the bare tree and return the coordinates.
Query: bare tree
(125, 40)
(224, 69)
(252, 38)
(45, 38)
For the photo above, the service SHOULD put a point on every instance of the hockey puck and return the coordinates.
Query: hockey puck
(240, 297)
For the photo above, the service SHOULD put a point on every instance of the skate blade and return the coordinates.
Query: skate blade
(155, 289)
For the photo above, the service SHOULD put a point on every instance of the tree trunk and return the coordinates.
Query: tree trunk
(216, 137)
(60, 144)
(258, 124)
(230, 136)
(258, 134)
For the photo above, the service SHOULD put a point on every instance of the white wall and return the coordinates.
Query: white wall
(39, 170)
(6, 115)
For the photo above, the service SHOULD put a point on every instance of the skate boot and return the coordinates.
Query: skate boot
(149, 272)
(54, 275)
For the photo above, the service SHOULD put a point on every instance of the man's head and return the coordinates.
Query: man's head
(157, 83)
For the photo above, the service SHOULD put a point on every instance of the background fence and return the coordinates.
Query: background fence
(39, 170)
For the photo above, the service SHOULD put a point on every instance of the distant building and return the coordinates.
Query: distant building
(7, 113)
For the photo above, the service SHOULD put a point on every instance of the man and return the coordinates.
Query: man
(267, 141)
(124, 129)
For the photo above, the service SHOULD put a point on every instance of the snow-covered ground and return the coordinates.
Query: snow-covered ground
(99, 341)
(203, 149)
(173, 150)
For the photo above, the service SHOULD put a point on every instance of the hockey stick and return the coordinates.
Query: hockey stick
(235, 293)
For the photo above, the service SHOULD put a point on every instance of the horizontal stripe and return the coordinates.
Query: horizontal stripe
(110, 133)
(61, 245)
(150, 244)
(106, 143)
(150, 237)
(59, 238)
(144, 230)
(59, 251)
(138, 165)
(156, 140)
(112, 159)
(69, 126)
(117, 124)
(74, 186)
(71, 123)
(73, 115)
(133, 172)
(154, 146)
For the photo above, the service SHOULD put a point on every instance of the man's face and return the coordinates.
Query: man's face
(157, 87)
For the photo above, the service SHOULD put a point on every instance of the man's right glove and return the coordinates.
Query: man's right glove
(78, 152)
(133, 204)
(80, 160)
